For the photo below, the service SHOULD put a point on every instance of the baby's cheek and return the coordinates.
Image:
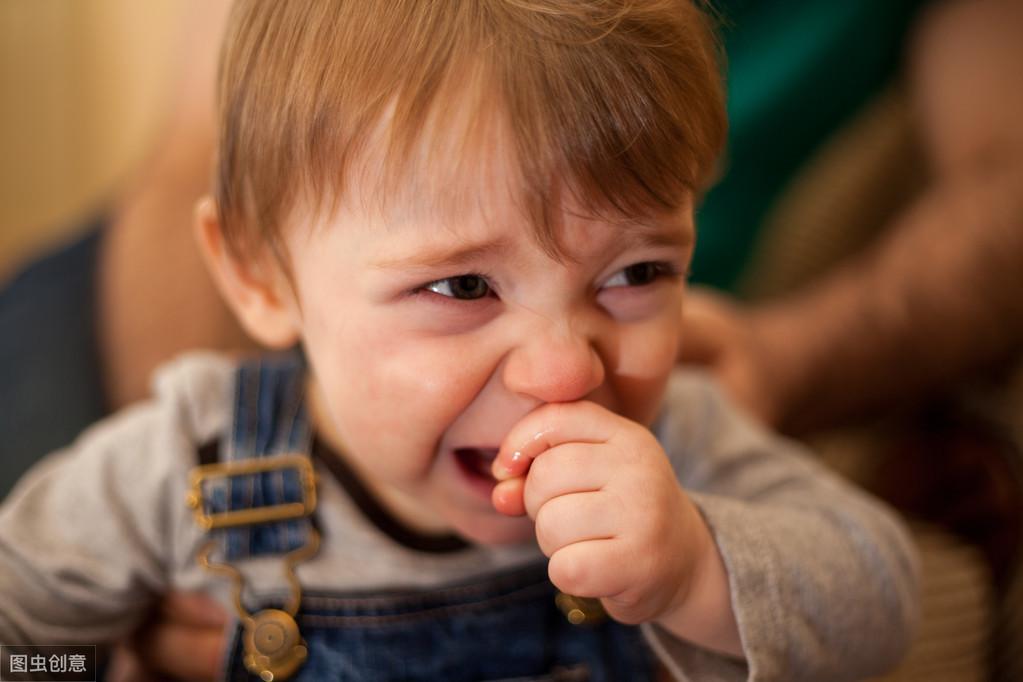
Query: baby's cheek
(647, 355)
(651, 349)
(435, 384)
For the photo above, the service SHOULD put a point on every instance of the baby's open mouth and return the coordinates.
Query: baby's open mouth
(476, 461)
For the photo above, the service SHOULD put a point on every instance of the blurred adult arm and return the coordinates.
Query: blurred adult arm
(155, 299)
(154, 296)
(941, 295)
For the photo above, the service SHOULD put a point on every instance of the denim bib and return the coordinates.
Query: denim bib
(510, 626)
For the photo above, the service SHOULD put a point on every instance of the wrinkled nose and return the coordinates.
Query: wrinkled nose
(554, 365)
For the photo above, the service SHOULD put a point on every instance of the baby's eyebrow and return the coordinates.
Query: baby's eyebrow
(658, 237)
(633, 236)
(445, 257)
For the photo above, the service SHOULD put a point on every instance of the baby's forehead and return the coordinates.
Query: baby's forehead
(462, 183)
(440, 233)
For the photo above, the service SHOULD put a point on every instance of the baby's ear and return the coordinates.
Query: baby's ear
(255, 288)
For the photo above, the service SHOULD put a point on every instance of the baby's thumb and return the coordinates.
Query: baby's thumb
(507, 496)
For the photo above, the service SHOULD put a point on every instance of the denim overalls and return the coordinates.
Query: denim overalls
(494, 627)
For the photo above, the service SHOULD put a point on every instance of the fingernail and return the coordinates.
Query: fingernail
(498, 497)
(502, 471)
(507, 499)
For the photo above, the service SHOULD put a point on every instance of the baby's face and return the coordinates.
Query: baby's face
(429, 339)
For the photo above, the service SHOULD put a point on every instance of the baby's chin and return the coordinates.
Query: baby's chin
(496, 530)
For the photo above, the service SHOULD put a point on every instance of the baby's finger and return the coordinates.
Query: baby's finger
(547, 426)
(574, 518)
(507, 497)
(564, 469)
(593, 568)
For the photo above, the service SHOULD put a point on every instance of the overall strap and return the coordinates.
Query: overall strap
(269, 408)
(258, 498)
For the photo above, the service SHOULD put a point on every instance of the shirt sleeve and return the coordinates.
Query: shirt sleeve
(823, 578)
(86, 539)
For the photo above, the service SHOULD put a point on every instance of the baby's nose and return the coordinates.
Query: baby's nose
(558, 366)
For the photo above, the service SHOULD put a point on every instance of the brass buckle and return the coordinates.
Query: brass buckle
(246, 517)
(274, 648)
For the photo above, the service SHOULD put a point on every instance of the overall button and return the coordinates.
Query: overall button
(273, 648)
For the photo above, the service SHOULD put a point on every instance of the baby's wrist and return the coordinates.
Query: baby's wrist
(701, 610)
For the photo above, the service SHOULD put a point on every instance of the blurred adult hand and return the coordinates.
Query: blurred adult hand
(185, 640)
(719, 333)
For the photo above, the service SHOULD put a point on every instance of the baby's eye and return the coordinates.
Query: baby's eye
(463, 287)
(640, 274)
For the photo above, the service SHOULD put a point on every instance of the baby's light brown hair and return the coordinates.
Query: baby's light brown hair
(618, 102)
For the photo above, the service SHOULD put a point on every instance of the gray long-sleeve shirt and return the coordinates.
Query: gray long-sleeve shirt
(822, 578)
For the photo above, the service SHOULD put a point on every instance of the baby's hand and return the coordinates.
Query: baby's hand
(608, 509)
